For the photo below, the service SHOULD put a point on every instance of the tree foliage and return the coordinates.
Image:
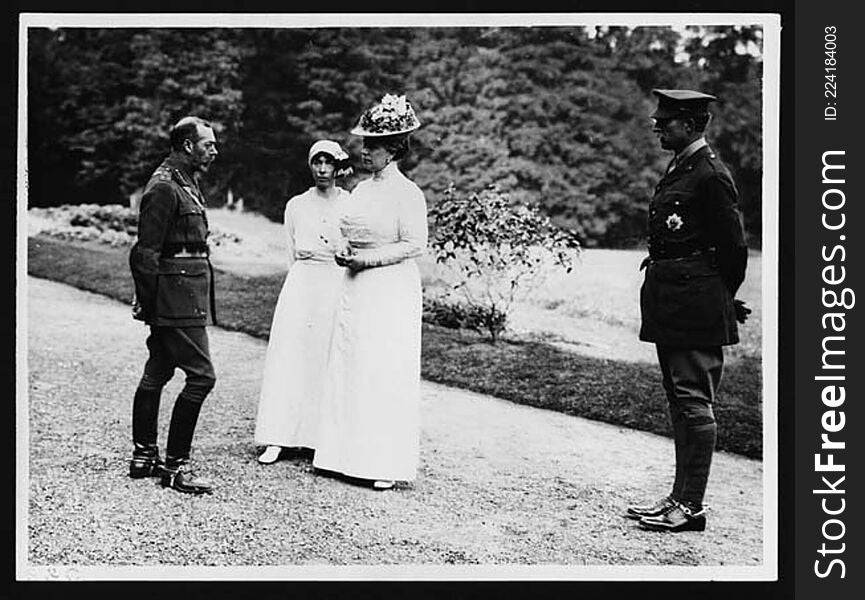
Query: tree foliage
(101, 102)
(555, 117)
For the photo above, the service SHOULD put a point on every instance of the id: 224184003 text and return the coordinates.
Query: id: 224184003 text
(830, 85)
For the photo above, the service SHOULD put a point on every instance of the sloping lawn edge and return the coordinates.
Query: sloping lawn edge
(530, 373)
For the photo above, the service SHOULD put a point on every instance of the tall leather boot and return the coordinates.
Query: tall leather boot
(663, 505)
(176, 474)
(145, 416)
(687, 513)
(184, 418)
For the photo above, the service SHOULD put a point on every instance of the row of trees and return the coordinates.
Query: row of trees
(555, 117)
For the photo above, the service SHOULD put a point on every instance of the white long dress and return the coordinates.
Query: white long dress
(369, 425)
(296, 359)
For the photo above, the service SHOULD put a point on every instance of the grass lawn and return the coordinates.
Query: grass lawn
(532, 373)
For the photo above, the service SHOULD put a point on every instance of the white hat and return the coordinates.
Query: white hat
(328, 147)
(392, 116)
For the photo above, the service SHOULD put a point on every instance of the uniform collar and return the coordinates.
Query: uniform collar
(182, 176)
(690, 149)
(180, 165)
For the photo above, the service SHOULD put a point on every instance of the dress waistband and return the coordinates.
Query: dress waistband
(315, 259)
(185, 254)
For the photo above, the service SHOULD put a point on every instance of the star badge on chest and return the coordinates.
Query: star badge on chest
(674, 222)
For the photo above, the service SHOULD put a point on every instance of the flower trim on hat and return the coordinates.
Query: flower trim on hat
(393, 114)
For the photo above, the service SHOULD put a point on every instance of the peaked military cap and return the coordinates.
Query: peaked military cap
(677, 103)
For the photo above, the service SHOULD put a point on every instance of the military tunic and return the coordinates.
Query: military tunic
(697, 256)
(174, 296)
(173, 291)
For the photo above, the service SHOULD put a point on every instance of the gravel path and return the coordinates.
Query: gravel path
(504, 491)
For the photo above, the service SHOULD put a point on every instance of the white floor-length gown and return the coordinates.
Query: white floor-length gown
(302, 327)
(369, 425)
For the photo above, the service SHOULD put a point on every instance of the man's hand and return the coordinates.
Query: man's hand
(138, 310)
(742, 311)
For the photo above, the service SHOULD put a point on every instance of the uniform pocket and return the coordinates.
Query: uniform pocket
(695, 304)
(687, 294)
(182, 289)
(188, 205)
(191, 228)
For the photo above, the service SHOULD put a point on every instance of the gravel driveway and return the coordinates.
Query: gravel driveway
(504, 491)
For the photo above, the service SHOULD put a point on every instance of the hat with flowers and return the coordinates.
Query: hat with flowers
(392, 116)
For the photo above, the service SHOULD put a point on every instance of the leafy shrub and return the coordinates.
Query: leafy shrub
(113, 217)
(112, 224)
(494, 251)
(90, 233)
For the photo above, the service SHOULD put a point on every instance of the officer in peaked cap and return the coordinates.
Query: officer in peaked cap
(696, 263)
(673, 103)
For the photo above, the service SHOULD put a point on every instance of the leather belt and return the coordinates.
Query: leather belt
(649, 260)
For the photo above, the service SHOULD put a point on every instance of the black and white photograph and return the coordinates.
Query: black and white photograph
(316, 296)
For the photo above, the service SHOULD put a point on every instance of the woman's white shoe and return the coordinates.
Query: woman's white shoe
(382, 484)
(270, 455)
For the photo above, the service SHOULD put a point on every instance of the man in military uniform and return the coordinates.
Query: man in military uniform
(174, 296)
(696, 263)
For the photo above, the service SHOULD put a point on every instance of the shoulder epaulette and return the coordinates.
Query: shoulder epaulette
(712, 160)
(161, 174)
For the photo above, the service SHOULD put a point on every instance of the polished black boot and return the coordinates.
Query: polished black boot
(638, 511)
(682, 517)
(177, 476)
(662, 505)
(145, 462)
(689, 514)
(145, 414)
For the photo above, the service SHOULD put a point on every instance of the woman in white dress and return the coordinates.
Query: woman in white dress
(369, 426)
(302, 325)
